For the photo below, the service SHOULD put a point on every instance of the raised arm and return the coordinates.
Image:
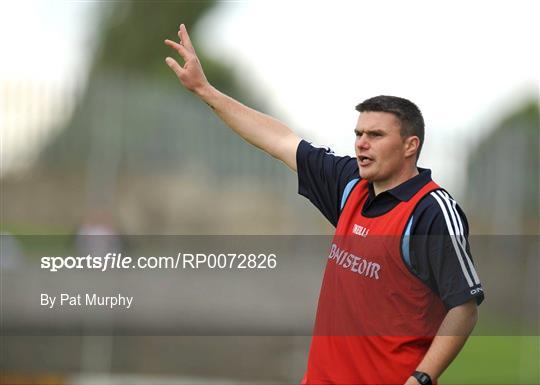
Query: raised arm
(261, 130)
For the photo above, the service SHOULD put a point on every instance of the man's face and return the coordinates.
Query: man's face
(380, 149)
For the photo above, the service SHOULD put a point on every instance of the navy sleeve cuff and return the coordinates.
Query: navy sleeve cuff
(463, 297)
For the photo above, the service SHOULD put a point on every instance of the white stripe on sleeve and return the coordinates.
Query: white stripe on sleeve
(461, 235)
(453, 238)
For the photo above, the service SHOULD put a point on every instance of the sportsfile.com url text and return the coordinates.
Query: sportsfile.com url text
(112, 261)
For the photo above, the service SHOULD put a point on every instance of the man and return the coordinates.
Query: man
(393, 309)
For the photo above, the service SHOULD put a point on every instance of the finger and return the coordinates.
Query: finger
(173, 64)
(184, 38)
(179, 48)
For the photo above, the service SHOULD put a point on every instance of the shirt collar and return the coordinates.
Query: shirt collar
(407, 189)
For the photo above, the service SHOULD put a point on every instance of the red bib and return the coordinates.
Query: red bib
(375, 319)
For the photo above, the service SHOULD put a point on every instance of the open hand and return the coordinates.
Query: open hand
(191, 75)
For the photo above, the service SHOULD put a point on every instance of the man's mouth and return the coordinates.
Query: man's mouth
(364, 161)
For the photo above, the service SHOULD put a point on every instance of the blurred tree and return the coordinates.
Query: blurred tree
(503, 177)
(137, 137)
(131, 91)
(131, 36)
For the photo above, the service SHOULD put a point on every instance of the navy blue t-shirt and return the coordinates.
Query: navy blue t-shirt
(435, 248)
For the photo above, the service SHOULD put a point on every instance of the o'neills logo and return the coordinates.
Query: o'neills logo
(360, 230)
(355, 263)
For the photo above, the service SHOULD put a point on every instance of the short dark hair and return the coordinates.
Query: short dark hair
(408, 114)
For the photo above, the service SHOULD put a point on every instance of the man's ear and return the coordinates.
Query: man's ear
(412, 144)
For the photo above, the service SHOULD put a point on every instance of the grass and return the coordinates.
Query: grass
(496, 360)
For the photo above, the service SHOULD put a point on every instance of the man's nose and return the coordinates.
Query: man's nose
(362, 142)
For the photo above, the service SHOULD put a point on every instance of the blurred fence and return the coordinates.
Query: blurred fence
(128, 139)
(124, 121)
